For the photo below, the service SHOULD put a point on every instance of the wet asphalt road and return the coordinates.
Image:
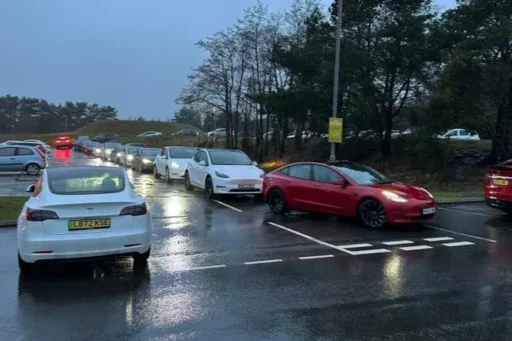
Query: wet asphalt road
(240, 273)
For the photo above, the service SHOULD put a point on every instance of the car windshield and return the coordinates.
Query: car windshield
(182, 153)
(363, 175)
(226, 157)
(86, 180)
(136, 144)
(113, 145)
(150, 152)
(131, 150)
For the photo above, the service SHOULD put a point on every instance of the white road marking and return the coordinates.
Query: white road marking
(309, 237)
(461, 234)
(463, 211)
(264, 261)
(437, 239)
(206, 267)
(228, 206)
(398, 242)
(316, 257)
(416, 247)
(368, 252)
(458, 244)
(353, 246)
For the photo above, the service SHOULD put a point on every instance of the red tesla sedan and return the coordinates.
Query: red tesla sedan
(63, 142)
(346, 189)
(498, 187)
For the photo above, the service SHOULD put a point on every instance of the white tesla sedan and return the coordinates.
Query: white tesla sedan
(172, 162)
(220, 172)
(80, 213)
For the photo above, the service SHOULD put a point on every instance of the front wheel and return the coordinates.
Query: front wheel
(372, 213)
(277, 201)
(188, 185)
(168, 179)
(155, 173)
(33, 169)
(208, 189)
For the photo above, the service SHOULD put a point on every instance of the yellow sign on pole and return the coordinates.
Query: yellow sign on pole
(335, 130)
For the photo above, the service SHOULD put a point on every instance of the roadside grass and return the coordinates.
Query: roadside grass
(10, 207)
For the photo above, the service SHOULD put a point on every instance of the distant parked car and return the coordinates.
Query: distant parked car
(172, 162)
(218, 133)
(34, 143)
(17, 158)
(63, 142)
(102, 138)
(135, 144)
(92, 148)
(144, 158)
(127, 156)
(79, 141)
(460, 134)
(150, 134)
(106, 150)
(187, 132)
(116, 153)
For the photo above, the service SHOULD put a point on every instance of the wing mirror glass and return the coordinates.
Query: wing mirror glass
(202, 163)
(31, 188)
(340, 182)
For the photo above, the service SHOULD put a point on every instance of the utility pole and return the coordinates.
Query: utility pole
(336, 73)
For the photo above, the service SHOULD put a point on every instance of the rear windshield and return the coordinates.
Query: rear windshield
(182, 153)
(150, 152)
(113, 145)
(90, 180)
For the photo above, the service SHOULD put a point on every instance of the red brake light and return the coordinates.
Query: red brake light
(135, 210)
(40, 215)
(41, 152)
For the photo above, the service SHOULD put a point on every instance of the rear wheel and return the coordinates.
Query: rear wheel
(24, 266)
(155, 173)
(277, 201)
(188, 185)
(208, 189)
(33, 169)
(142, 257)
(372, 213)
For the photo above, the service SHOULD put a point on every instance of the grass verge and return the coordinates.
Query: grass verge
(10, 207)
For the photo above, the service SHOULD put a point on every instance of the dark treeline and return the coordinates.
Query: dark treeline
(26, 115)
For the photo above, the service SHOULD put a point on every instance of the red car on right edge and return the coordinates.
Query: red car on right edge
(498, 187)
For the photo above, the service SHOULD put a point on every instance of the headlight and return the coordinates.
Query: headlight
(130, 157)
(174, 165)
(108, 151)
(146, 161)
(221, 174)
(393, 196)
(118, 154)
(97, 150)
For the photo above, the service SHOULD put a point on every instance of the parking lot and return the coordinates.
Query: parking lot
(230, 270)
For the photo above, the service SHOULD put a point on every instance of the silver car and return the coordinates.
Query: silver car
(18, 158)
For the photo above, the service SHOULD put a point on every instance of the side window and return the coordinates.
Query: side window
(300, 171)
(162, 152)
(452, 133)
(9, 151)
(196, 156)
(463, 133)
(25, 151)
(285, 170)
(324, 174)
(203, 157)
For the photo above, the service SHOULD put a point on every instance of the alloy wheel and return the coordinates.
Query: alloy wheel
(373, 213)
(277, 201)
(33, 169)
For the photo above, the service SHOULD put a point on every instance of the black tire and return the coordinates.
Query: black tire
(32, 169)
(142, 257)
(188, 185)
(24, 266)
(372, 213)
(209, 192)
(277, 201)
(168, 179)
(155, 173)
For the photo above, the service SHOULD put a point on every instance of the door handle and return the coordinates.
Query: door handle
(12, 158)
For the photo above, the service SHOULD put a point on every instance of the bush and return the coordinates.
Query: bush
(425, 151)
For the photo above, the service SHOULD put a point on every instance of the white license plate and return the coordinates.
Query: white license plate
(430, 210)
(245, 186)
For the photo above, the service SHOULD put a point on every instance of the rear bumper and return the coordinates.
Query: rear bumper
(177, 173)
(505, 205)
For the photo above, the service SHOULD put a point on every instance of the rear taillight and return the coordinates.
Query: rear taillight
(135, 210)
(40, 215)
(42, 153)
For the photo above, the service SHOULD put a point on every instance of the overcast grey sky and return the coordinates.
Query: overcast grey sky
(132, 54)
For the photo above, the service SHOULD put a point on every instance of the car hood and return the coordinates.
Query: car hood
(405, 190)
(240, 171)
(181, 162)
(150, 158)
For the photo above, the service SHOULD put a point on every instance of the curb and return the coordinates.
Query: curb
(8, 223)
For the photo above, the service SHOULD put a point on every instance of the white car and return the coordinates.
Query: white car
(220, 171)
(172, 162)
(460, 134)
(80, 213)
(127, 155)
(150, 134)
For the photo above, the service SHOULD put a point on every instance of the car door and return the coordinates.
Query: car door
(202, 170)
(8, 160)
(159, 159)
(329, 197)
(299, 185)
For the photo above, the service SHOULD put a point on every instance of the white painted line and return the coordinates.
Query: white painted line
(354, 246)
(228, 206)
(462, 211)
(398, 242)
(416, 247)
(458, 244)
(316, 257)
(309, 237)
(460, 233)
(206, 267)
(437, 239)
(368, 252)
(264, 261)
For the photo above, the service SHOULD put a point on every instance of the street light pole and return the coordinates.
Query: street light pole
(336, 73)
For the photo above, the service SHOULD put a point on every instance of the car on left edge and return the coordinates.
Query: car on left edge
(18, 158)
(82, 213)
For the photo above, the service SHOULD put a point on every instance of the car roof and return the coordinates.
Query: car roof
(18, 145)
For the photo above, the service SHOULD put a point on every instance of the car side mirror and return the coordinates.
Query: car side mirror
(255, 163)
(340, 182)
(31, 188)
(202, 163)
